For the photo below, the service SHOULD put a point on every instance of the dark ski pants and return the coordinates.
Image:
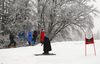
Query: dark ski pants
(12, 42)
(46, 51)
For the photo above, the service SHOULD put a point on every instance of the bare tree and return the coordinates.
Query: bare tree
(57, 15)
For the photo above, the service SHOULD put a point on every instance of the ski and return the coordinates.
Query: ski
(44, 54)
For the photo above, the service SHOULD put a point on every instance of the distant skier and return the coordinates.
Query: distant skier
(42, 36)
(11, 37)
(29, 37)
(35, 33)
(46, 45)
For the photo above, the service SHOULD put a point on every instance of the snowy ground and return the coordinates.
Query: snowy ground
(70, 52)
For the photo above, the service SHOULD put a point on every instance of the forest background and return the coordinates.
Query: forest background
(62, 20)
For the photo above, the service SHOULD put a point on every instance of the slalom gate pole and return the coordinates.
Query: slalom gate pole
(85, 49)
(91, 42)
(94, 50)
(94, 46)
(85, 44)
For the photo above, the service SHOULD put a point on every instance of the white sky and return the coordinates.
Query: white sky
(97, 19)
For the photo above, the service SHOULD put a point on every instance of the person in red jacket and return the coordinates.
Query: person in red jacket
(42, 36)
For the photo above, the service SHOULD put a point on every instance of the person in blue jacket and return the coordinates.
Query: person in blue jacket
(29, 37)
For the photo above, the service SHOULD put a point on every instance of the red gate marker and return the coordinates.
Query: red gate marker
(89, 41)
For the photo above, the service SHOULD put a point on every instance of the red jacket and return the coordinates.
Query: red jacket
(42, 36)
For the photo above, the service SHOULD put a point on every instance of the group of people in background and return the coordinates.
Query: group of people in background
(32, 40)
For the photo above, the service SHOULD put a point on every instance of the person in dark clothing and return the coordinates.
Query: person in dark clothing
(47, 45)
(35, 33)
(11, 37)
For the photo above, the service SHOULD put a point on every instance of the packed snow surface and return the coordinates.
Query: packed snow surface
(69, 52)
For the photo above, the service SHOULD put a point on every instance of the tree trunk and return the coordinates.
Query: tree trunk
(3, 17)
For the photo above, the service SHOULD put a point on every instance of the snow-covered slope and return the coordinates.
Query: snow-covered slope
(69, 52)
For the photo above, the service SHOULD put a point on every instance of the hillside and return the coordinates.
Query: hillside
(69, 52)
